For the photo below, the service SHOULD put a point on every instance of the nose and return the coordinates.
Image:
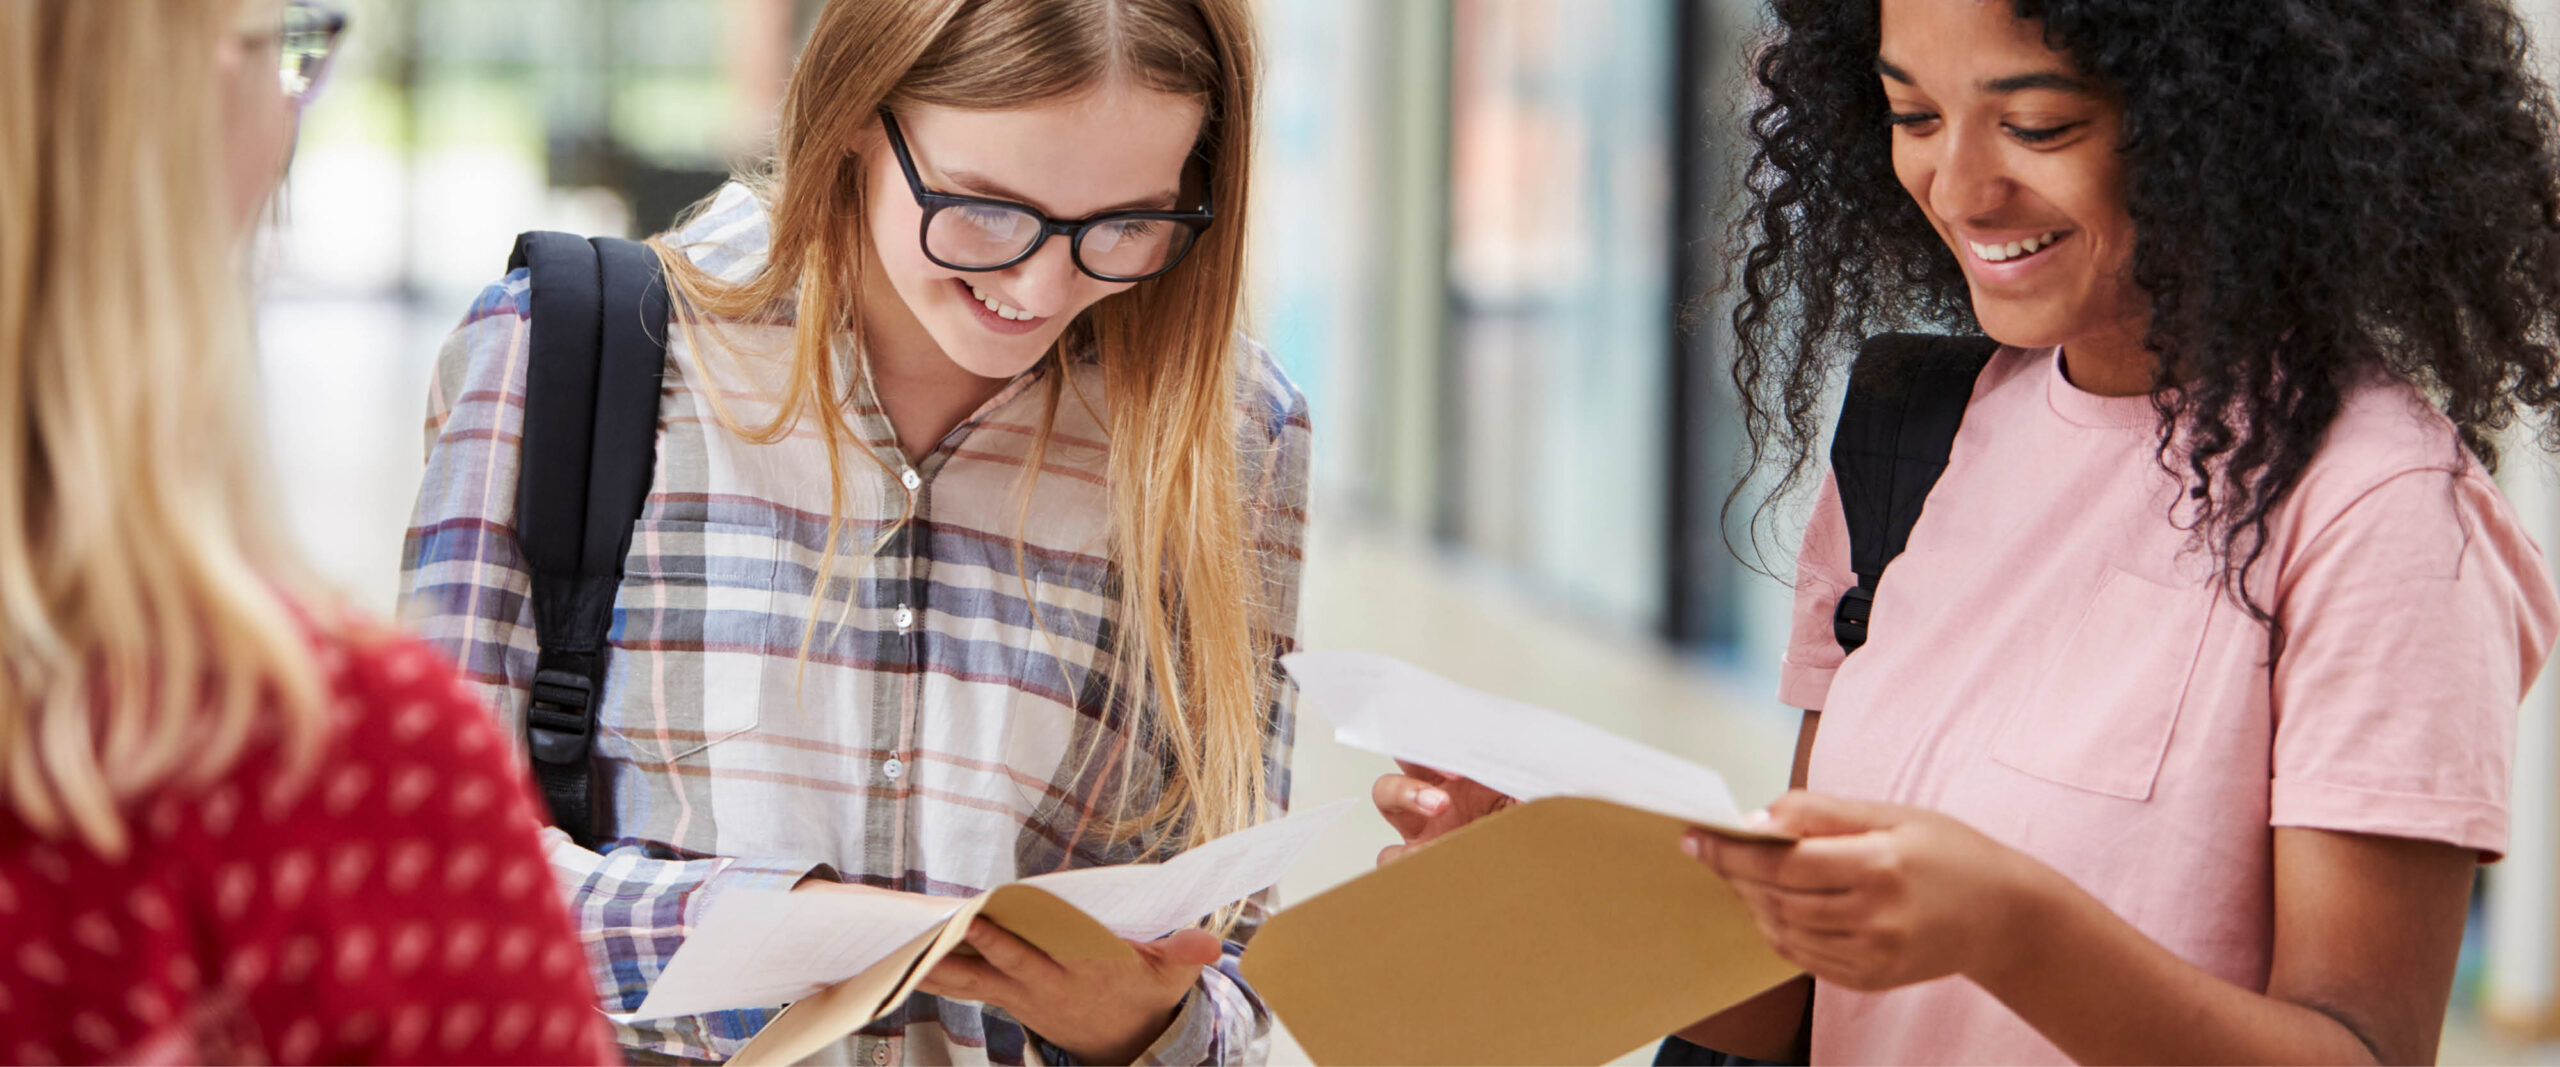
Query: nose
(1972, 180)
(1045, 284)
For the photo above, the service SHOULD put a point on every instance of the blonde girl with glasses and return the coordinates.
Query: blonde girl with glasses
(972, 538)
(236, 825)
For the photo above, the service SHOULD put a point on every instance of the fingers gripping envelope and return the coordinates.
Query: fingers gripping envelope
(1569, 928)
(845, 957)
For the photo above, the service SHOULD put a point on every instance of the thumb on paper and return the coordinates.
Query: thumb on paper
(1803, 814)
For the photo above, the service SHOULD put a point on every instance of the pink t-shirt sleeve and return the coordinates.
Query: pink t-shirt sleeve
(1822, 574)
(2416, 619)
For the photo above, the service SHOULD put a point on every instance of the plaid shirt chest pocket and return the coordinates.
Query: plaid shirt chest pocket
(693, 636)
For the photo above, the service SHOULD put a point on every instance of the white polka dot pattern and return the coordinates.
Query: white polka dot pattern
(293, 874)
(409, 788)
(409, 949)
(247, 968)
(151, 909)
(348, 866)
(300, 1040)
(383, 907)
(409, 862)
(220, 811)
(346, 789)
(355, 953)
(147, 1006)
(463, 868)
(472, 798)
(93, 932)
(38, 961)
(232, 886)
(300, 957)
(514, 1021)
(412, 723)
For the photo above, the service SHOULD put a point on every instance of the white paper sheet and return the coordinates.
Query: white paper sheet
(1382, 705)
(760, 950)
(1145, 901)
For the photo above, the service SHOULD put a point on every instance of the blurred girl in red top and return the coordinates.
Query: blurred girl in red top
(234, 824)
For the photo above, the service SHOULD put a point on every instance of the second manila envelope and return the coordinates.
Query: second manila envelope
(1566, 929)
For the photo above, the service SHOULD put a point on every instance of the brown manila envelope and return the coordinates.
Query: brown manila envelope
(1567, 929)
(843, 959)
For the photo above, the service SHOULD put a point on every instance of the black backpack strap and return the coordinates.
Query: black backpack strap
(590, 443)
(1906, 399)
(1676, 1052)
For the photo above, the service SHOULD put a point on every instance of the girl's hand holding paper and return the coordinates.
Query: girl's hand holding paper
(1102, 1011)
(1423, 804)
(1875, 896)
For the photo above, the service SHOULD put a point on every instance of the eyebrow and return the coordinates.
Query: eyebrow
(2054, 81)
(2050, 80)
(981, 185)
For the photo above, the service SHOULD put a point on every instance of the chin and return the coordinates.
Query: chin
(994, 357)
(2020, 327)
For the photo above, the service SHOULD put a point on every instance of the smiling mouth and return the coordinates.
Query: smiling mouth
(999, 308)
(2016, 250)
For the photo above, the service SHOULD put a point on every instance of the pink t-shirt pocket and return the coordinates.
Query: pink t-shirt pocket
(2102, 708)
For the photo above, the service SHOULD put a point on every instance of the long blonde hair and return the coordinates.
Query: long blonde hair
(1166, 347)
(148, 617)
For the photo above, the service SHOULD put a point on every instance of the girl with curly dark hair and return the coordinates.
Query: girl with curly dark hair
(2187, 713)
(2189, 710)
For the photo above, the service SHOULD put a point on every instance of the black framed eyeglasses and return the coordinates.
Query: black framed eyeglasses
(310, 35)
(974, 233)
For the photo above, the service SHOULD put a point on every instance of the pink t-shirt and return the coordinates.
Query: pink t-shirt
(2048, 665)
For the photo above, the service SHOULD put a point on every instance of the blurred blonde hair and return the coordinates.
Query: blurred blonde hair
(148, 628)
(1185, 635)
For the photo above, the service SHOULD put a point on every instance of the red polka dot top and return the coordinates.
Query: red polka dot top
(391, 907)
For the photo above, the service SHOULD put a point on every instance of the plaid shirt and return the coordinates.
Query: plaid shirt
(930, 744)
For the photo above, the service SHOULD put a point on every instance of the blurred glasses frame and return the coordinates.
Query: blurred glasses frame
(934, 203)
(308, 37)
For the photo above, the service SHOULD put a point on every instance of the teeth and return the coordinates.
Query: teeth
(1002, 310)
(2012, 250)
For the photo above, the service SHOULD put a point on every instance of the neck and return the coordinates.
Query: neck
(924, 393)
(2110, 363)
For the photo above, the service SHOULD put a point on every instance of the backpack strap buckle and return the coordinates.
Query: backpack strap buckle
(1849, 617)
(560, 722)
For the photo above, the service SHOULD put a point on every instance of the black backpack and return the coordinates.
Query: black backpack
(589, 450)
(1906, 399)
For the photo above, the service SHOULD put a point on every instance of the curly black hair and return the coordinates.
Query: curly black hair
(2319, 188)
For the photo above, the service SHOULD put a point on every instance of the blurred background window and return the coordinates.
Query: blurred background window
(1560, 239)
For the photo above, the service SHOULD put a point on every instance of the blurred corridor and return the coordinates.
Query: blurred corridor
(1480, 224)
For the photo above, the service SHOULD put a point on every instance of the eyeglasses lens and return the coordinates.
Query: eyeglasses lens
(980, 235)
(310, 35)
